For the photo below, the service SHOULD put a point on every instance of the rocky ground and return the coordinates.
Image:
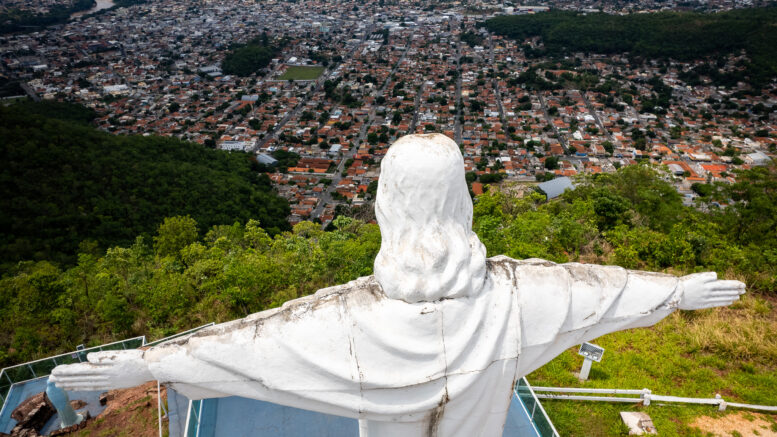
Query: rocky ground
(128, 412)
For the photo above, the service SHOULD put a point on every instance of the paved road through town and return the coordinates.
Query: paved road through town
(561, 138)
(326, 196)
(593, 112)
(494, 80)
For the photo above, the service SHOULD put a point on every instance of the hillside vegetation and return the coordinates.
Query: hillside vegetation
(683, 36)
(63, 182)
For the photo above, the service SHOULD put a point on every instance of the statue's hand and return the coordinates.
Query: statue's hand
(703, 290)
(104, 371)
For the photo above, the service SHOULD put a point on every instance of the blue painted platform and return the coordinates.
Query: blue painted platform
(238, 417)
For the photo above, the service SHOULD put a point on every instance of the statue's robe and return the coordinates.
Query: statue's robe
(414, 369)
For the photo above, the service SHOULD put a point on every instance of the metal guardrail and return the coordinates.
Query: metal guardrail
(645, 397)
(43, 367)
(39, 368)
(539, 418)
(193, 419)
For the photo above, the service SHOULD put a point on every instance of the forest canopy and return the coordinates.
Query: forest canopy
(683, 36)
(64, 182)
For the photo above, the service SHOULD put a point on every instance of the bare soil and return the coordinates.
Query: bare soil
(129, 412)
(742, 424)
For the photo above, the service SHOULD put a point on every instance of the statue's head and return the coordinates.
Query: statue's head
(428, 250)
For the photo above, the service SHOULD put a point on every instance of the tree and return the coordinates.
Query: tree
(608, 147)
(248, 59)
(702, 190)
(174, 234)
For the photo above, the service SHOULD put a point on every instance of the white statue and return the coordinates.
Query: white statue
(433, 343)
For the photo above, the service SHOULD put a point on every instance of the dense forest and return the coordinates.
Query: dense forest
(683, 36)
(15, 20)
(180, 278)
(247, 59)
(64, 183)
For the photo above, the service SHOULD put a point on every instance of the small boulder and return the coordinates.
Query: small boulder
(33, 412)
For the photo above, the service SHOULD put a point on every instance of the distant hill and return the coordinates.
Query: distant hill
(679, 35)
(63, 182)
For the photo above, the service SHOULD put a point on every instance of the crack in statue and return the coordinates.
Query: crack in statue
(434, 342)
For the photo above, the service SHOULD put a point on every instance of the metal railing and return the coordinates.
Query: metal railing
(43, 367)
(193, 419)
(39, 368)
(645, 397)
(534, 409)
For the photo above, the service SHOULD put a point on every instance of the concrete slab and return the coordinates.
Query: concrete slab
(638, 423)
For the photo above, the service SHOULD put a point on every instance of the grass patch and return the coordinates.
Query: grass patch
(731, 351)
(301, 73)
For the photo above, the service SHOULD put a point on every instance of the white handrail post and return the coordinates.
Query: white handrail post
(188, 418)
(646, 397)
(159, 407)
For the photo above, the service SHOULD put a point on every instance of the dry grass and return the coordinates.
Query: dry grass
(745, 331)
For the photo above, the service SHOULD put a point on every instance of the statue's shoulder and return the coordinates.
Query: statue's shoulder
(504, 259)
(365, 284)
(507, 264)
(504, 265)
(363, 289)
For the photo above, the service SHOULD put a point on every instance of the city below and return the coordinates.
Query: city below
(348, 78)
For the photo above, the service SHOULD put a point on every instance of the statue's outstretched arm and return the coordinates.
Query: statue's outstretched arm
(299, 355)
(573, 303)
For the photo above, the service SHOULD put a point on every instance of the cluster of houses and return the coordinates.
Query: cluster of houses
(388, 69)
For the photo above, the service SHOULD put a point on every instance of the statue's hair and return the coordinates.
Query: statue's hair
(428, 250)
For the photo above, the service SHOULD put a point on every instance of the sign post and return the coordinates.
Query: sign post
(591, 353)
